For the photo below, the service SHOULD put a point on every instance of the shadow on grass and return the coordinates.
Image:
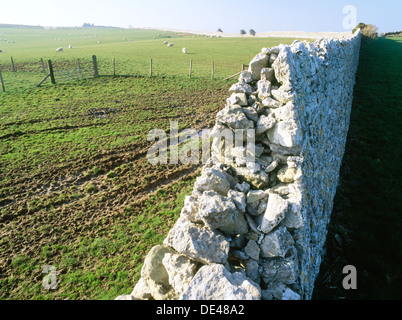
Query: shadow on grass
(366, 223)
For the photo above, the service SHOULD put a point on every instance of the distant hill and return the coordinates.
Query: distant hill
(22, 26)
(89, 25)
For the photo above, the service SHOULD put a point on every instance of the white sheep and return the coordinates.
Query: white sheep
(166, 42)
(59, 49)
(70, 46)
(170, 45)
(184, 50)
(98, 42)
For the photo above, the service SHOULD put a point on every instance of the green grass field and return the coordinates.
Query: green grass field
(132, 50)
(76, 190)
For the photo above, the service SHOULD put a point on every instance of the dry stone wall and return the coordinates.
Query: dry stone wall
(255, 224)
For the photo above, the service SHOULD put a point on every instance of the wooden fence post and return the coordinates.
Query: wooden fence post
(49, 62)
(95, 63)
(43, 65)
(150, 69)
(2, 83)
(12, 62)
(191, 67)
(213, 69)
(79, 68)
(114, 67)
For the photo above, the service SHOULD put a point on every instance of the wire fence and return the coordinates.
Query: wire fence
(33, 73)
(83, 70)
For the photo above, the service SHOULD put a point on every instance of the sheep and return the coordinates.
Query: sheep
(184, 50)
(70, 46)
(98, 42)
(59, 49)
(170, 45)
(166, 42)
(1, 51)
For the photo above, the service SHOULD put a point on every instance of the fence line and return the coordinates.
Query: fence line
(69, 70)
(2, 82)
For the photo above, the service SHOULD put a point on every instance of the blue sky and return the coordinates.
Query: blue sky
(204, 15)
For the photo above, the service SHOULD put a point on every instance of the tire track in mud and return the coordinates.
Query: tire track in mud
(44, 183)
(40, 187)
(63, 128)
(106, 160)
(94, 219)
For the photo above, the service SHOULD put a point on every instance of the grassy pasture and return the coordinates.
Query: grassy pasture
(76, 190)
(132, 50)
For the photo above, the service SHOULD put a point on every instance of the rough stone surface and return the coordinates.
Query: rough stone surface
(180, 271)
(141, 291)
(190, 208)
(241, 87)
(285, 133)
(264, 89)
(276, 244)
(252, 250)
(268, 74)
(278, 291)
(198, 243)
(243, 187)
(219, 212)
(252, 270)
(238, 98)
(212, 179)
(288, 174)
(251, 113)
(214, 282)
(272, 58)
(265, 123)
(272, 166)
(255, 195)
(279, 269)
(276, 211)
(259, 62)
(246, 77)
(234, 117)
(271, 103)
(154, 273)
(255, 179)
(238, 198)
